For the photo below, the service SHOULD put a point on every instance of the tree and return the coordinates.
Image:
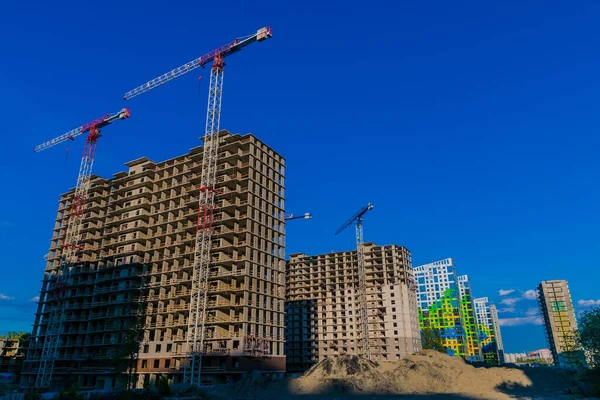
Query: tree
(431, 339)
(589, 335)
(532, 361)
(24, 342)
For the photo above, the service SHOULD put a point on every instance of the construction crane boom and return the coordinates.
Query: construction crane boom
(289, 217)
(363, 331)
(355, 217)
(201, 61)
(98, 123)
(72, 243)
(206, 202)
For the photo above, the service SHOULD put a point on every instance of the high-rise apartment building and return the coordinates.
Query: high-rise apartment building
(322, 305)
(487, 330)
(136, 266)
(473, 351)
(560, 322)
(439, 301)
(497, 333)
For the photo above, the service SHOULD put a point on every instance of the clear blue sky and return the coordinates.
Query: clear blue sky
(473, 127)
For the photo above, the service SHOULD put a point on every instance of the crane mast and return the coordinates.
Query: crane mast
(363, 328)
(206, 201)
(199, 294)
(72, 242)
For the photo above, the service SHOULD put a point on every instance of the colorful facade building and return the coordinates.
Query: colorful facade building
(558, 313)
(439, 303)
(469, 319)
(487, 331)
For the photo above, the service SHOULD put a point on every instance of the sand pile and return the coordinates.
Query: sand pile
(427, 372)
(343, 374)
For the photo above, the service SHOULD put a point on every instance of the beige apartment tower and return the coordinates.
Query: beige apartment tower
(136, 266)
(561, 325)
(322, 305)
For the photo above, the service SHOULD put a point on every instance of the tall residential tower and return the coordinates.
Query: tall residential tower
(473, 351)
(135, 268)
(438, 298)
(322, 303)
(488, 328)
(560, 322)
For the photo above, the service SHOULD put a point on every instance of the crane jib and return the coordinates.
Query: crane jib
(223, 51)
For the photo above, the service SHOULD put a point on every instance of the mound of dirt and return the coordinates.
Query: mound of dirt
(340, 367)
(346, 373)
(427, 372)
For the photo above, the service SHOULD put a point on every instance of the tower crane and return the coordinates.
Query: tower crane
(362, 279)
(72, 242)
(206, 201)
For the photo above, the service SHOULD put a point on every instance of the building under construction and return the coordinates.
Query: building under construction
(134, 268)
(322, 303)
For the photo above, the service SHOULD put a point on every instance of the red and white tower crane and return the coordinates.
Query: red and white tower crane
(199, 292)
(72, 242)
(363, 323)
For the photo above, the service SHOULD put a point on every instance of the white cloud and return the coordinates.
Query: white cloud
(505, 292)
(588, 303)
(531, 320)
(5, 297)
(530, 294)
(532, 312)
(511, 301)
(35, 298)
(507, 310)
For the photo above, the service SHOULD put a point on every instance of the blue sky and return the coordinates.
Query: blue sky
(472, 127)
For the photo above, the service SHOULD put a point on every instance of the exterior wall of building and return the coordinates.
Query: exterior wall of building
(326, 286)
(560, 323)
(139, 236)
(487, 331)
(439, 302)
(513, 358)
(302, 346)
(473, 350)
(497, 333)
(544, 354)
(11, 357)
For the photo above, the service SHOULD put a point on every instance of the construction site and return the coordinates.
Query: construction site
(173, 273)
(176, 266)
(138, 235)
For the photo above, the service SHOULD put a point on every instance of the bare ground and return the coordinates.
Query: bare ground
(427, 374)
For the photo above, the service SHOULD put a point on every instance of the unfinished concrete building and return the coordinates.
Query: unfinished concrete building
(322, 303)
(136, 265)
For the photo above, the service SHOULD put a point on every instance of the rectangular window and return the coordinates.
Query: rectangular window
(156, 363)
